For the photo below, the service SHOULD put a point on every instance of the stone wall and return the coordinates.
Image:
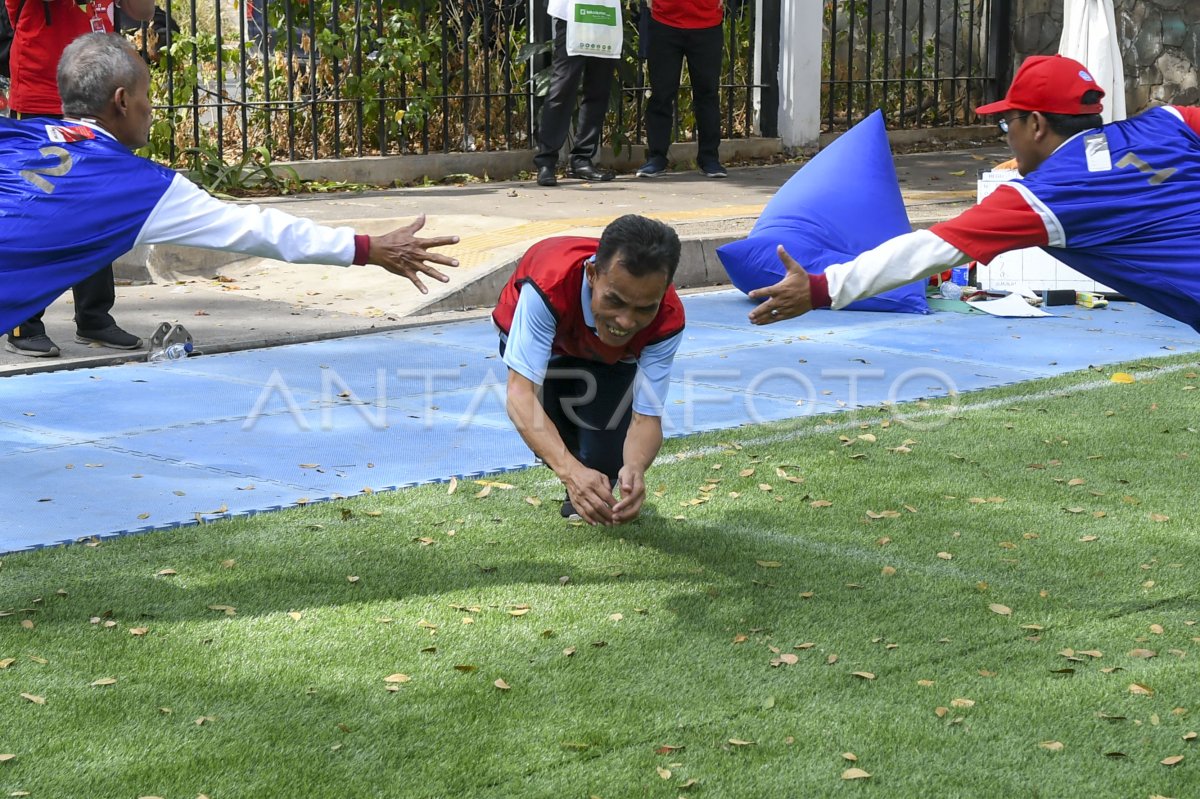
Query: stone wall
(1159, 41)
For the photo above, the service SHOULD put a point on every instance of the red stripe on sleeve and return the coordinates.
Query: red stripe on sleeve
(818, 289)
(362, 248)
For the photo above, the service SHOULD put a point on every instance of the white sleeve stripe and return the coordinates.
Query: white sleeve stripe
(1054, 230)
(896, 262)
(187, 215)
(1173, 110)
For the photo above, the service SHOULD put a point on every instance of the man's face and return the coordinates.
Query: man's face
(1021, 140)
(623, 304)
(135, 126)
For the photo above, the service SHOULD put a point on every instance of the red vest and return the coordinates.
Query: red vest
(555, 268)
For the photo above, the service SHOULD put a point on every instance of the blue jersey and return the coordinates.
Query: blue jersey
(1122, 205)
(72, 199)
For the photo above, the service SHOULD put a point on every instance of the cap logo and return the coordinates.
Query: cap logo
(1084, 74)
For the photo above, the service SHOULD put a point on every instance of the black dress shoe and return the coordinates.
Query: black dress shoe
(546, 176)
(586, 171)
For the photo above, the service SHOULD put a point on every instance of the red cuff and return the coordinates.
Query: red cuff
(362, 247)
(818, 291)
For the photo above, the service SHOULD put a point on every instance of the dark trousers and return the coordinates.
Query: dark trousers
(590, 404)
(94, 296)
(567, 72)
(703, 48)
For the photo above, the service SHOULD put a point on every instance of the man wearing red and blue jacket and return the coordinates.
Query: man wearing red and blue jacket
(73, 195)
(593, 327)
(1119, 203)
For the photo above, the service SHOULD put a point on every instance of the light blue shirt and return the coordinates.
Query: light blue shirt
(530, 342)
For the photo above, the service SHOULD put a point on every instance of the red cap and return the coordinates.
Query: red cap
(1052, 84)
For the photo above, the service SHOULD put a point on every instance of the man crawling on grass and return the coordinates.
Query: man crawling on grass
(589, 329)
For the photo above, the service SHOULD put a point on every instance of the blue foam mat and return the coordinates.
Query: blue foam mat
(125, 449)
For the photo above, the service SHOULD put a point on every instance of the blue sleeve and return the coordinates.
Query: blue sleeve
(531, 336)
(654, 376)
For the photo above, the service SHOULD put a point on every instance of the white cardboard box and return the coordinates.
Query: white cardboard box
(1033, 267)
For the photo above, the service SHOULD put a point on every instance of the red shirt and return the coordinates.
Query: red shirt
(688, 13)
(37, 47)
(555, 268)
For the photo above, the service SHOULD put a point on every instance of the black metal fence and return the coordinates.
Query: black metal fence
(305, 79)
(925, 63)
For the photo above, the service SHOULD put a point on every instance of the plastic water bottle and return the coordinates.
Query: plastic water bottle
(174, 352)
(950, 291)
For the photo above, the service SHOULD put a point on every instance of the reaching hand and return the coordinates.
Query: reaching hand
(788, 298)
(402, 253)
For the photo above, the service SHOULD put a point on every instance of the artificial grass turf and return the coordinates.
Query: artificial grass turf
(300, 707)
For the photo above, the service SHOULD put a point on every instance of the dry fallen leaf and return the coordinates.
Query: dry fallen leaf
(502, 685)
(1003, 610)
(962, 703)
(1172, 760)
(6, 758)
(769, 564)
(663, 772)
(945, 555)
(1053, 746)
(104, 681)
(1157, 629)
(37, 700)
(855, 774)
(925, 683)
(740, 742)
(296, 615)
(397, 678)
(1138, 689)
(866, 675)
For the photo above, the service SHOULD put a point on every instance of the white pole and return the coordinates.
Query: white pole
(800, 34)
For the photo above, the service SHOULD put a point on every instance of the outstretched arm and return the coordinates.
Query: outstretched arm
(190, 216)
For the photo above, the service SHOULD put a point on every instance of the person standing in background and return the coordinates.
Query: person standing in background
(568, 71)
(680, 29)
(43, 29)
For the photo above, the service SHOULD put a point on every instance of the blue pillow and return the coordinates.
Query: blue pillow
(840, 204)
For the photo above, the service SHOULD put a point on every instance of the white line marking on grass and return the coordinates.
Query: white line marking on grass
(793, 435)
(862, 555)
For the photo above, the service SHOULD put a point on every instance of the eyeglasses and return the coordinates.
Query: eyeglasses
(1004, 123)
